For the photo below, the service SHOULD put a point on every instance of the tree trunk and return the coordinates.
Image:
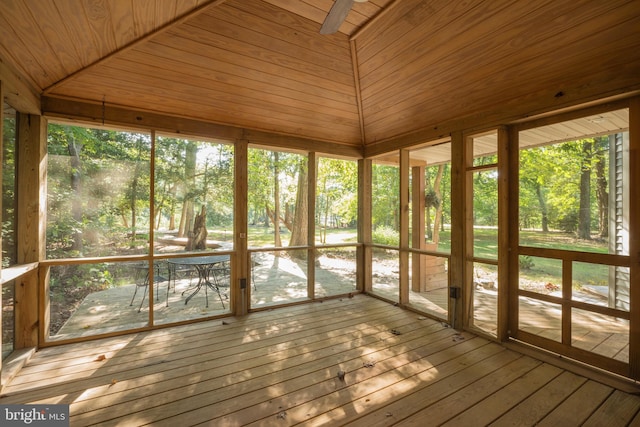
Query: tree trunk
(543, 208)
(76, 201)
(602, 193)
(172, 217)
(186, 218)
(198, 237)
(438, 219)
(133, 201)
(584, 217)
(277, 241)
(323, 230)
(300, 221)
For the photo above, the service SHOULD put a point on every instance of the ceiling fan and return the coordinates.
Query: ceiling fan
(337, 15)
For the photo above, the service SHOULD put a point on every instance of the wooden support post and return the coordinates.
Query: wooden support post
(152, 215)
(1, 168)
(634, 237)
(241, 281)
(31, 154)
(418, 226)
(364, 255)
(458, 227)
(505, 223)
(512, 280)
(404, 226)
(312, 171)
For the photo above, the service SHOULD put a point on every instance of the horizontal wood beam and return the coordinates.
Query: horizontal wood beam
(303, 144)
(17, 92)
(100, 114)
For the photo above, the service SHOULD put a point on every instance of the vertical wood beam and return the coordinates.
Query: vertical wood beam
(505, 223)
(634, 237)
(241, 282)
(567, 274)
(458, 229)
(152, 215)
(364, 254)
(31, 155)
(512, 274)
(468, 287)
(418, 226)
(312, 172)
(404, 226)
(1, 174)
(356, 84)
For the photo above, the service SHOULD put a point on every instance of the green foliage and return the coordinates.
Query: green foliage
(525, 262)
(485, 197)
(550, 183)
(65, 279)
(264, 167)
(98, 182)
(431, 199)
(385, 202)
(8, 192)
(190, 174)
(386, 236)
(336, 195)
(569, 222)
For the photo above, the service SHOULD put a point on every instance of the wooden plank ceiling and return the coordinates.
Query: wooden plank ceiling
(394, 68)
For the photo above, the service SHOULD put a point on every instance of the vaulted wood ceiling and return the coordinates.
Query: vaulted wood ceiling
(396, 69)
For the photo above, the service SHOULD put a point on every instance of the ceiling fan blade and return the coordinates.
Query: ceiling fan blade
(336, 16)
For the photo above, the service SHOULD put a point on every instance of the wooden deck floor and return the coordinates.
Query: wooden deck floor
(280, 367)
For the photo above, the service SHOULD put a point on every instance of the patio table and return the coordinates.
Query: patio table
(204, 265)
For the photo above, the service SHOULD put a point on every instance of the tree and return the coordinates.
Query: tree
(385, 189)
(98, 185)
(336, 198)
(198, 237)
(276, 200)
(584, 217)
(300, 223)
(9, 250)
(189, 179)
(601, 145)
(535, 173)
(433, 199)
(75, 147)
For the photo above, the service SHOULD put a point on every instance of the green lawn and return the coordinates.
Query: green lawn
(540, 269)
(260, 236)
(486, 246)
